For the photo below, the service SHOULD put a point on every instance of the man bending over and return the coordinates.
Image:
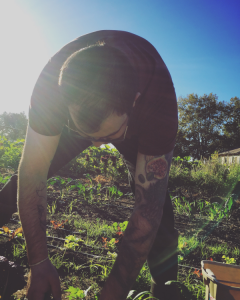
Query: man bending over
(104, 87)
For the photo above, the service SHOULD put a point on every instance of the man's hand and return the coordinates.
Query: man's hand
(43, 279)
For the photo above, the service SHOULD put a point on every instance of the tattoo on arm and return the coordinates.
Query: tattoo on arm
(150, 201)
(156, 167)
(141, 178)
(139, 236)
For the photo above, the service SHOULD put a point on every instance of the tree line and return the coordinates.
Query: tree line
(13, 125)
(206, 125)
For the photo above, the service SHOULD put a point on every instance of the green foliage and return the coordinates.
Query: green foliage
(122, 226)
(4, 179)
(72, 241)
(140, 295)
(13, 125)
(201, 121)
(208, 177)
(10, 153)
(186, 245)
(207, 125)
(76, 293)
(113, 192)
(19, 250)
(58, 260)
(229, 260)
(52, 209)
(99, 161)
(232, 124)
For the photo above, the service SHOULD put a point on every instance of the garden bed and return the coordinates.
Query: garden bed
(83, 248)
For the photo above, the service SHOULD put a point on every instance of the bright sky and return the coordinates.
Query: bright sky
(198, 40)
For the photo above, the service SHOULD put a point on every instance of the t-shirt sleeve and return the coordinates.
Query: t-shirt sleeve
(158, 120)
(47, 112)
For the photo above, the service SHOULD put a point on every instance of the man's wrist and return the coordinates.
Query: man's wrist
(39, 262)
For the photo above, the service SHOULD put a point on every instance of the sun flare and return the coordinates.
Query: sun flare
(23, 55)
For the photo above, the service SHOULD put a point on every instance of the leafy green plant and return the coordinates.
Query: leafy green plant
(187, 244)
(77, 293)
(10, 153)
(111, 244)
(112, 190)
(122, 226)
(229, 260)
(105, 270)
(71, 242)
(58, 260)
(19, 250)
(180, 258)
(3, 180)
(59, 182)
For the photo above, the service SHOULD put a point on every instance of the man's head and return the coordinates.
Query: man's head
(96, 82)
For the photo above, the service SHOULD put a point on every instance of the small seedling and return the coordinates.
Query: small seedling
(72, 242)
(77, 293)
(229, 260)
(52, 209)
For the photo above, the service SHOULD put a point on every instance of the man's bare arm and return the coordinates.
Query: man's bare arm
(151, 185)
(36, 159)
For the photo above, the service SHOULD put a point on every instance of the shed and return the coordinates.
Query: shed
(229, 157)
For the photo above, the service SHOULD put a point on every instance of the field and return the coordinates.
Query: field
(90, 202)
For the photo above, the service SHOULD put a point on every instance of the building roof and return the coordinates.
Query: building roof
(230, 152)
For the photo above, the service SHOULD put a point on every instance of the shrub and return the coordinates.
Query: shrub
(10, 153)
(208, 177)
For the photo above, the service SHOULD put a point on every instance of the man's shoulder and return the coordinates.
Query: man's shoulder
(117, 38)
(110, 34)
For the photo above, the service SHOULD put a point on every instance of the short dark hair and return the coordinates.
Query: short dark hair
(101, 80)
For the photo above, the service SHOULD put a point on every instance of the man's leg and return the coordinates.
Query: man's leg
(68, 148)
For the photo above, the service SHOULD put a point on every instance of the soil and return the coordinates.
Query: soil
(228, 231)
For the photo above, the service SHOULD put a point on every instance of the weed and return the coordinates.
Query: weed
(71, 205)
(140, 295)
(229, 260)
(57, 260)
(19, 250)
(76, 293)
(52, 209)
(71, 242)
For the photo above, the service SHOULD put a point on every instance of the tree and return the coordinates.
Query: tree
(200, 126)
(232, 124)
(13, 125)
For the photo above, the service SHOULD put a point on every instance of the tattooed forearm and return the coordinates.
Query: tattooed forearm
(150, 192)
(150, 201)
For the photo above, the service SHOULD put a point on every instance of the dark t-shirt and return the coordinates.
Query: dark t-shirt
(153, 120)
